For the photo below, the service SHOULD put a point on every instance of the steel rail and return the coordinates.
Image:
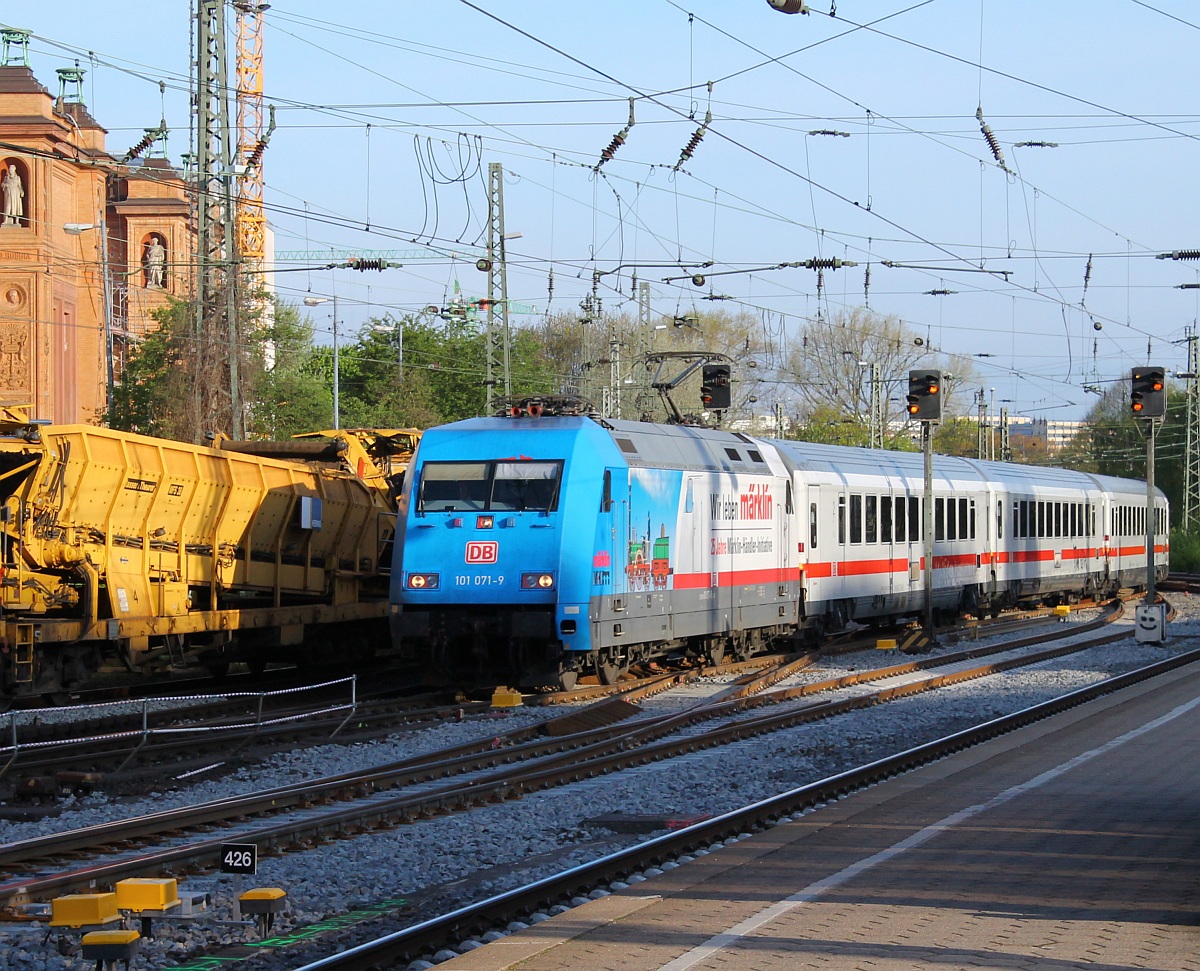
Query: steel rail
(476, 919)
(586, 754)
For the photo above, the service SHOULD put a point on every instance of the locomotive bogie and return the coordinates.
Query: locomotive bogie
(535, 550)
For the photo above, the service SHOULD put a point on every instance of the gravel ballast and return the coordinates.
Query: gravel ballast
(499, 846)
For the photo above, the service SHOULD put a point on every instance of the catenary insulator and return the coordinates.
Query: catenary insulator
(827, 264)
(697, 135)
(617, 142)
(989, 136)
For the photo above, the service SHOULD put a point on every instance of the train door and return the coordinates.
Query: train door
(611, 557)
(993, 535)
(887, 540)
(727, 591)
(1107, 529)
(786, 552)
(695, 498)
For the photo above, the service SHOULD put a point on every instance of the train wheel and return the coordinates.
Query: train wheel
(567, 679)
(608, 672)
(218, 669)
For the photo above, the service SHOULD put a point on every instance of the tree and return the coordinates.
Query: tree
(1115, 441)
(294, 392)
(281, 382)
(827, 425)
(825, 370)
(830, 366)
(441, 376)
(957, 436)
(830, 370)
(155, 385)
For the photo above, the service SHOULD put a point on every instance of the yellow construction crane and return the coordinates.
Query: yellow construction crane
(252, 141)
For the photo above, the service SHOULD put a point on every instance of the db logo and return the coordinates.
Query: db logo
(482, 552)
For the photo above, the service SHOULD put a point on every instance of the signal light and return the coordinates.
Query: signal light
(715, 390)
(924, 396)
(1148, 395)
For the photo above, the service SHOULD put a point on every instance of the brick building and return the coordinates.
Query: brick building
(89, 246)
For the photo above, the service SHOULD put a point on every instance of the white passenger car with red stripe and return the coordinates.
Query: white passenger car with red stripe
(547, 544)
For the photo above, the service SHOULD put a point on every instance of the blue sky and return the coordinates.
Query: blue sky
(390, 113)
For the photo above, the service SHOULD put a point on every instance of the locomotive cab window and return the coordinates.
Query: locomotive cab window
(522, 486)
(508, 486)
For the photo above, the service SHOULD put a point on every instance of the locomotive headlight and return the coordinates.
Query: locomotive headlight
(537, 581)
(422, 581)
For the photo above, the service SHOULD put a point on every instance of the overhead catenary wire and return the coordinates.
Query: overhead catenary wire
(620, 214)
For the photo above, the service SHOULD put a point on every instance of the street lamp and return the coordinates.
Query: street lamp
(316, 302)
(77, 229)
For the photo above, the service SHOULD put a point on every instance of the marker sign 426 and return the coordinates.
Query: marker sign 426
(239, 858)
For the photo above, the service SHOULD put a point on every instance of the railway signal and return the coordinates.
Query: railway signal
(715, 390)
(1148, 396)
(925, 395)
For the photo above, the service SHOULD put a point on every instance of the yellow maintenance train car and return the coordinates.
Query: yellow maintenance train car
(117, 547)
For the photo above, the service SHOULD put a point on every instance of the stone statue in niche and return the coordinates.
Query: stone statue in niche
(13, 193)
(156, 263)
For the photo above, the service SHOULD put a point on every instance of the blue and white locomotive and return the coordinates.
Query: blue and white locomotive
(547, 544)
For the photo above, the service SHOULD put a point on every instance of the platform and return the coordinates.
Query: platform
(1071, 843)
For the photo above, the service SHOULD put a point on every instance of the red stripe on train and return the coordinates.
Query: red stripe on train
(736, 578)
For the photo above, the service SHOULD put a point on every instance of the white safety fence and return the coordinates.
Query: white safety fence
(256, 723)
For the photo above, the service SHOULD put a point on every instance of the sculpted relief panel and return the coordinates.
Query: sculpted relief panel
(15, 342)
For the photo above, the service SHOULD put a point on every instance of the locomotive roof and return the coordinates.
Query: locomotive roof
(692, 448)
(700, 449)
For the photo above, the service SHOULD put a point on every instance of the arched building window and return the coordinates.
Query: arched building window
(15, 196)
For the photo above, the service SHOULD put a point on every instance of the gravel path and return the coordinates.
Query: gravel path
(544, 832)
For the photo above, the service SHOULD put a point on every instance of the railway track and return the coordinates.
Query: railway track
(552, 754)
(443, 935)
